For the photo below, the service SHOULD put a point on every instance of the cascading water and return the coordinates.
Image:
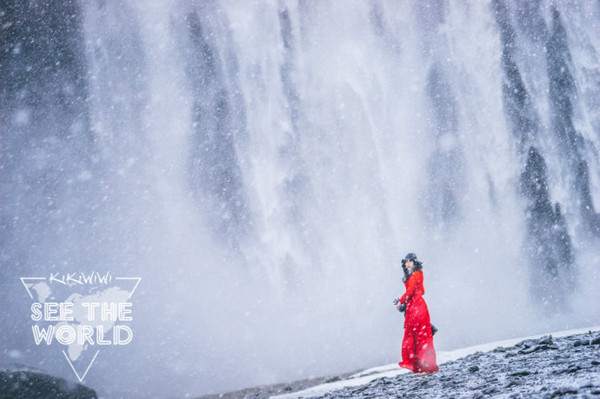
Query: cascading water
(264, 166)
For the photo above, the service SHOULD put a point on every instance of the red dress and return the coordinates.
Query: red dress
(418, 353)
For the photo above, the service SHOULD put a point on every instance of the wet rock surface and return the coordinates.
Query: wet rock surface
(548, 367)
(20, 382)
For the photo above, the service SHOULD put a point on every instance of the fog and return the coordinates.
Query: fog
(264, 166)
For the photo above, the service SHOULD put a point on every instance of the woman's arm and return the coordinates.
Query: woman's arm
(414, 282)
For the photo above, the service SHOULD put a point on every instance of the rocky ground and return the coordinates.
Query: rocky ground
(21, 382)
(542, 368)
(567, 367)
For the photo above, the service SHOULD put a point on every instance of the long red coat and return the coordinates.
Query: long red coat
(418, 353)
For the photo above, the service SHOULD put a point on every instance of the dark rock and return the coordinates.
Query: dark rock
(542, 344)
(537, 348)
(573, 368)
(590, 385)
(473, 369)
(596, 341)
(19, 382)
(521, 373)
(564, 391)
(546, 340)
(489, 391)
(513, 383)
(360, 389)
(582, 342)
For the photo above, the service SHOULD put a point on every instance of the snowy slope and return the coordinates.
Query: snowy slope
(392, 370)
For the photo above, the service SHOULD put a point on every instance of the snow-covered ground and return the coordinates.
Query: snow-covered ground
(392, 370)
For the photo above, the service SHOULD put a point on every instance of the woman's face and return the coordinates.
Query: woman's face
(409, 264)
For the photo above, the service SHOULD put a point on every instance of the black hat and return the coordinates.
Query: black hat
(410, 256)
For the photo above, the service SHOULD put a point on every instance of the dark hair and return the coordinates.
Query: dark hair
(418, 266)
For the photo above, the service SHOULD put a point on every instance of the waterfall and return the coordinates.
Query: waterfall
(265, 165)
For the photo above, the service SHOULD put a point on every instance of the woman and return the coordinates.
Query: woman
(418, 353)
